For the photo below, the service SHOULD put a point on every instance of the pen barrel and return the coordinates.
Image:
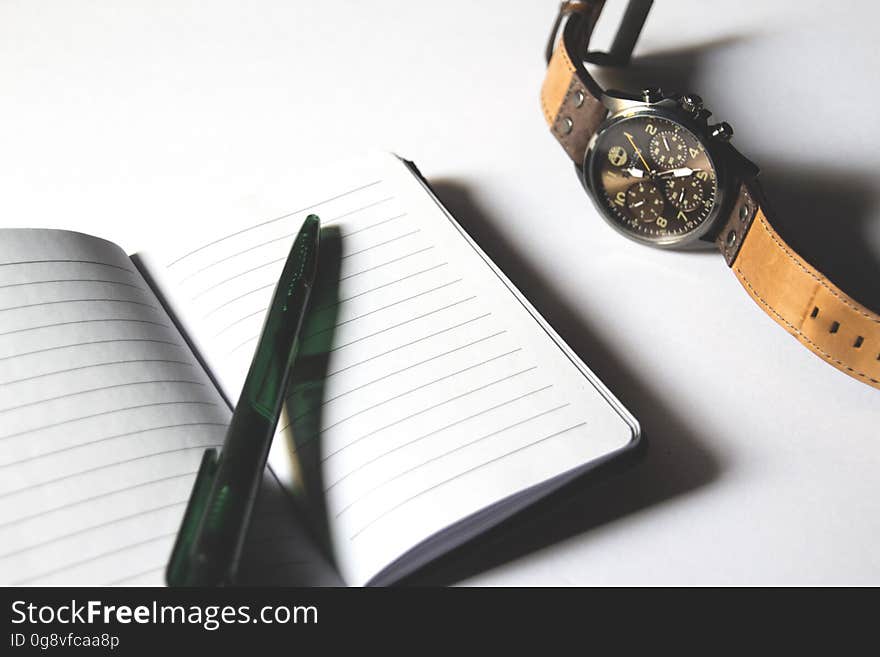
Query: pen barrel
(215, 526)
(218, 546)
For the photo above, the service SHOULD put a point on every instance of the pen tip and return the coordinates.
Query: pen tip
(311, 234)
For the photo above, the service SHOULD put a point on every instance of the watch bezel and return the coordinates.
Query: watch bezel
(589, 172)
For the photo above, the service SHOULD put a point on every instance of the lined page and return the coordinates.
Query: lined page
(104, 415)
(441, 393)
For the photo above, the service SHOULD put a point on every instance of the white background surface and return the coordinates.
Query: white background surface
(131, 120)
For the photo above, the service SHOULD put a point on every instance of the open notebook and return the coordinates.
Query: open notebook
(429, 399)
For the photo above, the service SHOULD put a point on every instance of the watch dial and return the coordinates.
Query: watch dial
(654, 178)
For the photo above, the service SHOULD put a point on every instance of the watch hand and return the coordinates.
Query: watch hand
(665, 143)
(638, 152)
(635, 205)
(635, 173)
(676, 173)
(681, 196)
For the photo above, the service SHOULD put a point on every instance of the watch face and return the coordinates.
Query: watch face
(654, 179)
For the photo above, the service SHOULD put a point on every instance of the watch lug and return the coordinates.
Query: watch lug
(622, 101)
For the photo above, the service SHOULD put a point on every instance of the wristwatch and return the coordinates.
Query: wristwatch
(662, 175)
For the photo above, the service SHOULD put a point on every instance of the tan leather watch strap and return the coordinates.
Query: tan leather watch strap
(799, 298)
(570, 98)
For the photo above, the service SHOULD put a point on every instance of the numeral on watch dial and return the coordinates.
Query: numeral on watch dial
(656, 178)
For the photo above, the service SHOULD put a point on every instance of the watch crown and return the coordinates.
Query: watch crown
(691, 103)
(652, 95)
(722, 131)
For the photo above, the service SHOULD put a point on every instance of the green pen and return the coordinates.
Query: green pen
(214, 526)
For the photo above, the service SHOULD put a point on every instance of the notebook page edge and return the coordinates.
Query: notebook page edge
(478, 523)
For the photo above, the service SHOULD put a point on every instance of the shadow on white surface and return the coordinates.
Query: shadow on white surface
(676, 70)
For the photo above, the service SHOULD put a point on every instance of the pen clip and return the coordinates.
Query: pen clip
(179, 566)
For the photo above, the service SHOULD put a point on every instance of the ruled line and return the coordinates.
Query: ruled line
(458, 448)
(248, 271)
(457, 476)
(375, 225)
(381, 308)
(156, 569)
(72, 475)
(270, 221)
(435, 432)
(288, 236)
(333, 220)
(85, 344)
(261, 311)
(379, 287)
(239, 297)
(234, 255)
(429, 408)
(96, 557)
(86, 367)
(238, 275)
(408, 321)
(384, 243)
(55, 303)
(82, 262)
(86, 500)
(385, 264)
(390, 374)
(73, 280)
(182, 402)
(365, 337)
(86, 321)
(407, 344)
(421, 387)
(102, 525)
(102, 388)
(127, 434)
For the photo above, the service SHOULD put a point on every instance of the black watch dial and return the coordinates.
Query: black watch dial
(653, 178)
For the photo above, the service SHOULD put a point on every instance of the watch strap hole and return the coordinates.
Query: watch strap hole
(858, 342)
(834, 327)
(815, 313)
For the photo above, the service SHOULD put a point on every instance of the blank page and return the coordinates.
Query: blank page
(443, 393)
(104, 415)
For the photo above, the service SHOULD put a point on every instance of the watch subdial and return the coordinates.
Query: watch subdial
(668, 149)
(686, 193)
(644, 201)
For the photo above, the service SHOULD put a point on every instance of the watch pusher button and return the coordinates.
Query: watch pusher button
(652, 95)
(721, 131)
(691, 103)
